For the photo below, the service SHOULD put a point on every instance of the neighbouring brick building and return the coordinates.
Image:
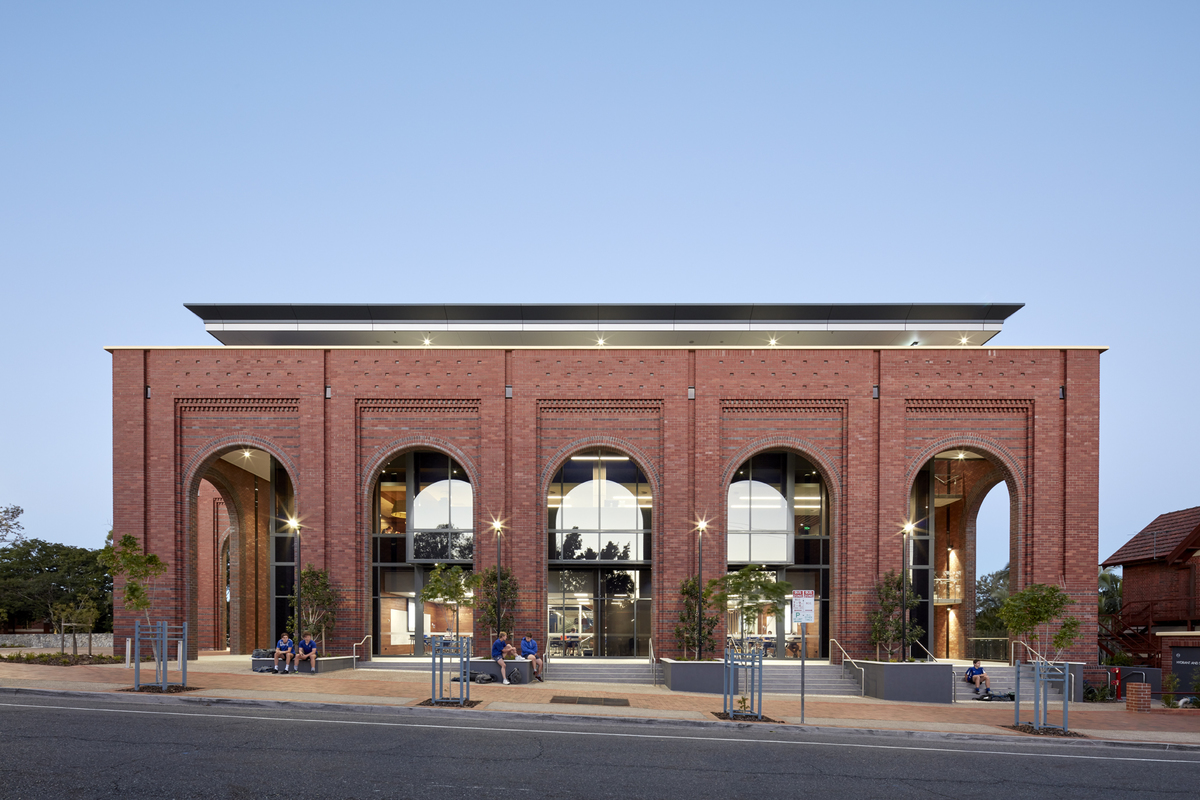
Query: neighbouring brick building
(1160, 591)
(377, 441)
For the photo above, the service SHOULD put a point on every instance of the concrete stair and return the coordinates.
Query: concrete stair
(1003, 678)
(824, 679)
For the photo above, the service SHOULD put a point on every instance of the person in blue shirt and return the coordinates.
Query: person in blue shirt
(306, 648)
(285, 647)
(529, 651)
(500, 649)
(977, 676)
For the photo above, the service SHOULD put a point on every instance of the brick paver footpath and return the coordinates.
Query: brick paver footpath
(229, 677)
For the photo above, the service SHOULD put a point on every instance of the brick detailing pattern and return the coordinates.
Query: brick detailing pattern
(1137, 697)
(418, 406)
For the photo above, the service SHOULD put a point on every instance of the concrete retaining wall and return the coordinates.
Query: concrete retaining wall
(54, 640)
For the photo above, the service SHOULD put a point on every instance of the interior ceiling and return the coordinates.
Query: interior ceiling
(966, 455)
(257, 462)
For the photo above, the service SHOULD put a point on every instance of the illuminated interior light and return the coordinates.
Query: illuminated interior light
(599, 458)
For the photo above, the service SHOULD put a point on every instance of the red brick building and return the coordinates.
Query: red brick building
(1160, 590)
(377, 441)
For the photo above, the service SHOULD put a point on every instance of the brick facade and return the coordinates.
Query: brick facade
(1033, 412)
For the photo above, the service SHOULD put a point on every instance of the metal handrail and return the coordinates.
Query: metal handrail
(1012, 659)
(653, 667)
(862, 673)
(926, 649)
(354, 650)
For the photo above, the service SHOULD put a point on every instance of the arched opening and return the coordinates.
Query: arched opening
(599, 511)
(423, 514)
(248, 540)
(778, 516)
(940, 550)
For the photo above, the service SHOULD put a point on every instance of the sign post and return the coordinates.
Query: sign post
(803, 611)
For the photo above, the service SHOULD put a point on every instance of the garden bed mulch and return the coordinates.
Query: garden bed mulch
(1025, 727)
(173, 688)
(60, 659)
(721, 715)
(428, 703)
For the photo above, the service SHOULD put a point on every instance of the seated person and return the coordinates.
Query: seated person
(285, 647)
(977, 676)
(306, 648)
(529, 651)
(501, 649)
(793, 647)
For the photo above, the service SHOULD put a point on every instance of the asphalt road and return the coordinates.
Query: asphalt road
(73, 747)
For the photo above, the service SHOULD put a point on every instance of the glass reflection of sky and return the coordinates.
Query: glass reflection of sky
(600, 505)
(757, 506)
(444, 503)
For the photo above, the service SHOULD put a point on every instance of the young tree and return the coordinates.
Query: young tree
(887, 621)
(141, 571)
(753, 591)
(685, 630)
(485, 599)
(453, 586)
(1031, 612)
(319, 600)
(10, 525)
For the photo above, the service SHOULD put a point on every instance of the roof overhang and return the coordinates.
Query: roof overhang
(579, 325)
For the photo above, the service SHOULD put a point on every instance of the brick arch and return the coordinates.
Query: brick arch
(195, 470)
(375, 462)
(832, 476)
(644, 462)
(1013, 475)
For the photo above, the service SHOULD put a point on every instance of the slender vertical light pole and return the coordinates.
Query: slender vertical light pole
(499, 529)
(294, 527)
(700, 592)
(908, 529)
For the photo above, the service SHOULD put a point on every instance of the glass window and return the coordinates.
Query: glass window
(434, 492)
(599, 505)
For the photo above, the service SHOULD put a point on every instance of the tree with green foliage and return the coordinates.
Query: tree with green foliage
(141, 572)
(1110, 591)
(753, 591)
(319, 601)
(689, 617)
(1031, 612)
(453, 587)
(36, 576)
(485, 599)
(10, 525)
(991, 591)
(887, 620)
(1170, 684)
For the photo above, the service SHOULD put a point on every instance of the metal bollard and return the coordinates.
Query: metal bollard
(128, 652)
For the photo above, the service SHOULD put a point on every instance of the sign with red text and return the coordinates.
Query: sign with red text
(804, 605)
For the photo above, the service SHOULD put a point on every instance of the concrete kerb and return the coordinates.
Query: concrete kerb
(472, 714)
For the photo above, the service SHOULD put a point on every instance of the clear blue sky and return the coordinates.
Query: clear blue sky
(151, 155)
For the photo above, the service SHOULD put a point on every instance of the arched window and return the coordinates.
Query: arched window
(777, 516)
(599, 509)
(427, 498)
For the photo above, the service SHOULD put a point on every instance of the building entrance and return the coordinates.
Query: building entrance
(599, 612)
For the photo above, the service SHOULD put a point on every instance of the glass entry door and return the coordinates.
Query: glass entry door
(599, 612)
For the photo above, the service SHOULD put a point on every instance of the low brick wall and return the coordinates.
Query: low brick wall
(1137, 697)
(54, 639)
